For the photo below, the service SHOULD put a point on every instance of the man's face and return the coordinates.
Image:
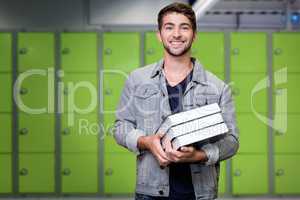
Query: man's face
(176, 34)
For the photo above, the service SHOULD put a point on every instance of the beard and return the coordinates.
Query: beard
(179, 53)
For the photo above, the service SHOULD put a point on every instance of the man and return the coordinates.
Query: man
(174, 84)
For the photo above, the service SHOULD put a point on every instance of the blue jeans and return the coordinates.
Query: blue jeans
(146, 197)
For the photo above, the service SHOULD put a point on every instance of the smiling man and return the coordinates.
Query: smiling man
(178, 82)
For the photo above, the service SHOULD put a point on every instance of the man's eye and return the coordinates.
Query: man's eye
(168, 27)
(185, 28)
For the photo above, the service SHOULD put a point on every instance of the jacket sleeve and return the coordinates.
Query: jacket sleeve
(125, 132)
(225, 146)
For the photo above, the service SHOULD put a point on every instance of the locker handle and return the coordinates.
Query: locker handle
(66, 51)
(108, 51)
(24, 131)
(66, 91)
(67, 172)
(109, 172)
(280, 172)
(150, 51)
(23, 91)
(23, 172)
(278, 133)
(108, 91)
(235, 51)
(66, 131)
(23, 51)
(277, 51)
(237, 172)
(235, 91)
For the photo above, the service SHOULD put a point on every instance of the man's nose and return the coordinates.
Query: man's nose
(176, 33)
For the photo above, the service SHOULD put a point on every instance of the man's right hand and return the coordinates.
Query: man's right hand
(152, 143)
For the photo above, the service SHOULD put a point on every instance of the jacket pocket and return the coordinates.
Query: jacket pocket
(146, 100)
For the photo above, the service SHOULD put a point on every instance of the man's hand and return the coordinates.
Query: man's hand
(152, 143)
(185, 154)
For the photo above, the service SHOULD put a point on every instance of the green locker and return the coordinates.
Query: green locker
(36, 92)
(286, 47)
(119, 173)
(243, 87)
(253, 134)
(287, 175)
(250, 174)
(288, 141)
(286, 94)
(208, 48)
(121, 51)
(35, 51)
(79, 173)
(248, 52)
(113, 85)
(5, 173)
(5, 133)
(222, 178)
(79, 93)
(36, 173)
(80, 134)
(6, 52)
(79, 52)
(153, 48)
(6, 92)
(36, 132)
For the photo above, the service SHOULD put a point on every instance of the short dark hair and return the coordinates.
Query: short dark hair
(181, 8)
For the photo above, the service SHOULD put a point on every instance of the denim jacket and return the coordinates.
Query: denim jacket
(144, 105)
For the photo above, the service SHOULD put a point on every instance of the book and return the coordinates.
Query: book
(199, 135)
(186, 116)
(194, 125)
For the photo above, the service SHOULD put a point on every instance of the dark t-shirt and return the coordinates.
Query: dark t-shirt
(181, 186)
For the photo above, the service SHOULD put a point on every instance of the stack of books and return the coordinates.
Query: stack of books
(193, 126)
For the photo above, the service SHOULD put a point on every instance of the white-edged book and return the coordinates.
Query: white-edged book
(186, 116)
(192, 126)
(199, 135)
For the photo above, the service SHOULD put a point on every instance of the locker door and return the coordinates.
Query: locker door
(287, 177)
(291, 87)
(113, 85)
(36, 92)
(222, 178)
(79, 93)
(209, 49)
(35, 51)
(253, 134)
(82, 135)
(120, 173)
(5, 133)
(6, 52)
(79, 173)
(248, 52)
(6, 92)
(121, 51)
(243, 84)
(286, 47)
(79, 52)
(36, 133)
(5, 173)
(153, 48)
(36, 173)
(288, 142)
(247, 170)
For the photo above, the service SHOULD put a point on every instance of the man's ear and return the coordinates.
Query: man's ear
(195, 36)
(158, 35)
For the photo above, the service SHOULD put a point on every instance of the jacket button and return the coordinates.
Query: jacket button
(161, 192)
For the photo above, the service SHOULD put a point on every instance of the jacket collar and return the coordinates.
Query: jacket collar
(198, 71)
